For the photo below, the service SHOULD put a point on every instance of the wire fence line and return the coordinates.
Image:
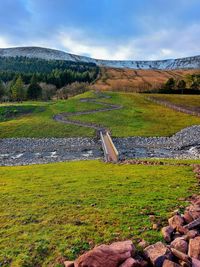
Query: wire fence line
(173, 106)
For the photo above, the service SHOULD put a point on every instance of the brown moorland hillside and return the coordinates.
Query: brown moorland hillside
(136, 80)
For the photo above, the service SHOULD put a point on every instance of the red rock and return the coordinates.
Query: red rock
(156, 253)
(107, 255)
(130, 263)
(187, 217)
(120, 247)
(69, 264)
(191, 234)
(168, 263)
(176, 212)
(143, 263)
(197, 201)
(167, 233)
(195, 262)
(183, 230)
(180, 244)
(184, 264)
(193, 211)
(194, 248)
(176, 235)
(143, 244)
(176, 221)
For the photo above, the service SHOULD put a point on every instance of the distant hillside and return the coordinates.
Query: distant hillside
(137, 80)
(51, 54)
(56, 72)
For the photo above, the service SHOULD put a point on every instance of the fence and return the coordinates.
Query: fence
(173, 106)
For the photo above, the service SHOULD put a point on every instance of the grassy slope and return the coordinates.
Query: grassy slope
(141, 117)
(134, 80)
(138, 117)
(55, 210)
(41, 124)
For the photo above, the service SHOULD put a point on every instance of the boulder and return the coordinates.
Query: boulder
(156, 253)
(191, 234)
(183, 230)
(143, 263)
(180, 244)
(195, 262)
(130, 263)
(168, 263)
(194, 248)
(193, 211)
(184, 264)
(107, 255)
(176, 235)
(187, 217)
(181, 256)
(167, 233)
(69, 264)
(121, 247)
(176, 221)
(143, 244)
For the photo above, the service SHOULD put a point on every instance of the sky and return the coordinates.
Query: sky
(104, 29)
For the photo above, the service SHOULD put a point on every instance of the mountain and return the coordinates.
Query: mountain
(52, 54)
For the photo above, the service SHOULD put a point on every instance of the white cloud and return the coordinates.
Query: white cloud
(162, 44)
(3, 42)
(166, 43)
(82, 46)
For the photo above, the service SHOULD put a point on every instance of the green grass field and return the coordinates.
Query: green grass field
(59, 210)
(138, 117)
(41, 124)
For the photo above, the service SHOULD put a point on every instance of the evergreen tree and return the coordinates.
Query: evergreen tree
(34, 90)
(2, 89)
(17, 89)
(181, 85)
(170, 84)
(195, 85)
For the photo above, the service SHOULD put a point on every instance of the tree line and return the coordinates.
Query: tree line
(191, 84)
(20, 77)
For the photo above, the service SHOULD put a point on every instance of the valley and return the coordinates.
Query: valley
(59, 197)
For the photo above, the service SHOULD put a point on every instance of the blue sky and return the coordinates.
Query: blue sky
(107, 29)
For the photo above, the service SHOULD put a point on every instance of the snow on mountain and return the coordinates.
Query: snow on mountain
(52, 54)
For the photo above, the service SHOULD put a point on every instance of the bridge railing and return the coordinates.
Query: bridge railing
(110, 152)
(113, 146)
(106, 154)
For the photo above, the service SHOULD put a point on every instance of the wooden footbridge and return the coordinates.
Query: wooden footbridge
(110, 152)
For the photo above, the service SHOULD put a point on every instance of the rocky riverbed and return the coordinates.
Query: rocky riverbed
(183, 145)
(24, 151)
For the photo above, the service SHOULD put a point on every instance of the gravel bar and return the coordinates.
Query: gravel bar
(25, 151)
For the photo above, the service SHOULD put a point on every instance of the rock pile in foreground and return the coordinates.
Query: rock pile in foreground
(181, 247)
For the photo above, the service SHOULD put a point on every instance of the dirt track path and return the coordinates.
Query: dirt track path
(65, 116)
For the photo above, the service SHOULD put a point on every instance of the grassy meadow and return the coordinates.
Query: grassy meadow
(56, 211)
(139, 116)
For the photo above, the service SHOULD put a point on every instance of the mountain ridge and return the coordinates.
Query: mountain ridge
(53, 54)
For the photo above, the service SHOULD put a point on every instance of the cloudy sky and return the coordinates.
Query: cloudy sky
(107, 29)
